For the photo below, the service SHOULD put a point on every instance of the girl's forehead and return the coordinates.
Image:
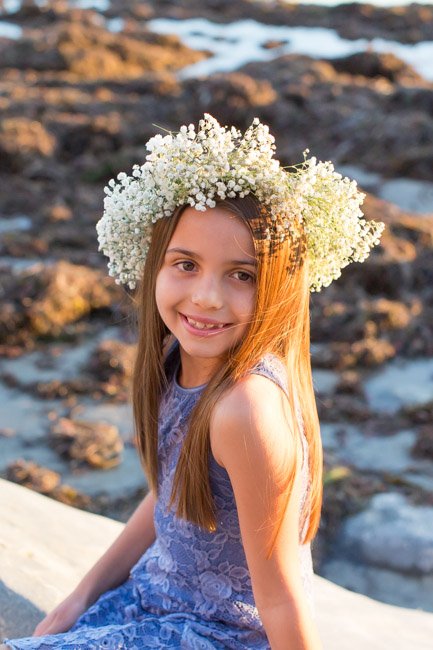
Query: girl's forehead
(215, 230)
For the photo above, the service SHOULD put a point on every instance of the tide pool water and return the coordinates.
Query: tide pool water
(240, 42)
(400, 383)
(10, 6)
(10, 30)
(375, 3)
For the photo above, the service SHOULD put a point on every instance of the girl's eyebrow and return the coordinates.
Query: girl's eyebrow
(183, 251)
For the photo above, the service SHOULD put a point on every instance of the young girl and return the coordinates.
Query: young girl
(226, 246)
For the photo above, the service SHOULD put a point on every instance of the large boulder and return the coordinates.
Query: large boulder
(45, 548)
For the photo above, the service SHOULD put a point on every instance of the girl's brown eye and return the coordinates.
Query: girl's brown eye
(243, 276)
(189, 266)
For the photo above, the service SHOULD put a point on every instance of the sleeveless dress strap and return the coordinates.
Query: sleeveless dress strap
(274, 369)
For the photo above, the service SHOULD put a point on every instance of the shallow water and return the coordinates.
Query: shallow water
(238, 43)
(372, 453)
(324, 381)
(13, 224)
(18, 264)
(26, 418)
(12, 6)
(62, 362)
(120, 415)
(375, 3)
(400, 383)
(407, 193)
(24, 415)
(10, 30)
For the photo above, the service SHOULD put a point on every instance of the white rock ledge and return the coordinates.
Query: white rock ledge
(45, 547)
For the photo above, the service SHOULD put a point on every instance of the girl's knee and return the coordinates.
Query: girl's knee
(3, 646)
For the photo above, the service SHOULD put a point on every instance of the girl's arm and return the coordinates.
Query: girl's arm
(114, 566)
(251, 436)
(110, 571)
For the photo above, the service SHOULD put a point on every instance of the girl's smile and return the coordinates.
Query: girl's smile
(205, 289)
(203, 327)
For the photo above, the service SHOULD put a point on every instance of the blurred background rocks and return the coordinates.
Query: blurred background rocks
(81, 90)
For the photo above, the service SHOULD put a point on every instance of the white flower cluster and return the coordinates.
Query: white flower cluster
(197, 169)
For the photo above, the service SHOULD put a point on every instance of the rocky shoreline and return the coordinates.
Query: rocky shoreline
(410, 23)
(78, 102)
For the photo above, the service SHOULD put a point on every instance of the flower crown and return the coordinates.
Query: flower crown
(197, 169)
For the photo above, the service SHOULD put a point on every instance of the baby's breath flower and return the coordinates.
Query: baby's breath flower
(189, 168)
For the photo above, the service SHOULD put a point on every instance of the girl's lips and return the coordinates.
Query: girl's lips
(202, 332)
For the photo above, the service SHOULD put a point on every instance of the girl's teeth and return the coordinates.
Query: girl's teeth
(203, 326)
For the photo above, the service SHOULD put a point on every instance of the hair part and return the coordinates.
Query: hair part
(280, 325)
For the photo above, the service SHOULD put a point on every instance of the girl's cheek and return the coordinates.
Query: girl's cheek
(161, 291)
(246, 293)
(167, 288)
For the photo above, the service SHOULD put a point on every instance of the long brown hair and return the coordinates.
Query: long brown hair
(280, 325)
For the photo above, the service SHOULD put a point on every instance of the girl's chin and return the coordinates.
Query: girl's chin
(204, 347)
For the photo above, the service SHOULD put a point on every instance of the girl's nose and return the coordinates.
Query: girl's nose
(207, 294)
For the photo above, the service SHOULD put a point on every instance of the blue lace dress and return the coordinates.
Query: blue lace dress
(191, 589)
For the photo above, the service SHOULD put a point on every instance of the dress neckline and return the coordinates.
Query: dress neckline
(194, 389)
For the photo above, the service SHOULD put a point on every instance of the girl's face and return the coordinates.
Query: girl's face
(205, 289)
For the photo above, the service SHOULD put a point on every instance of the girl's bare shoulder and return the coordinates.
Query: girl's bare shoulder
(252, 413)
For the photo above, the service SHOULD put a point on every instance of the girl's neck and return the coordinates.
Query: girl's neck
(194, 371)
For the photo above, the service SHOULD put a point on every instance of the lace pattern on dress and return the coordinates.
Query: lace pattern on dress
(191, 589)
